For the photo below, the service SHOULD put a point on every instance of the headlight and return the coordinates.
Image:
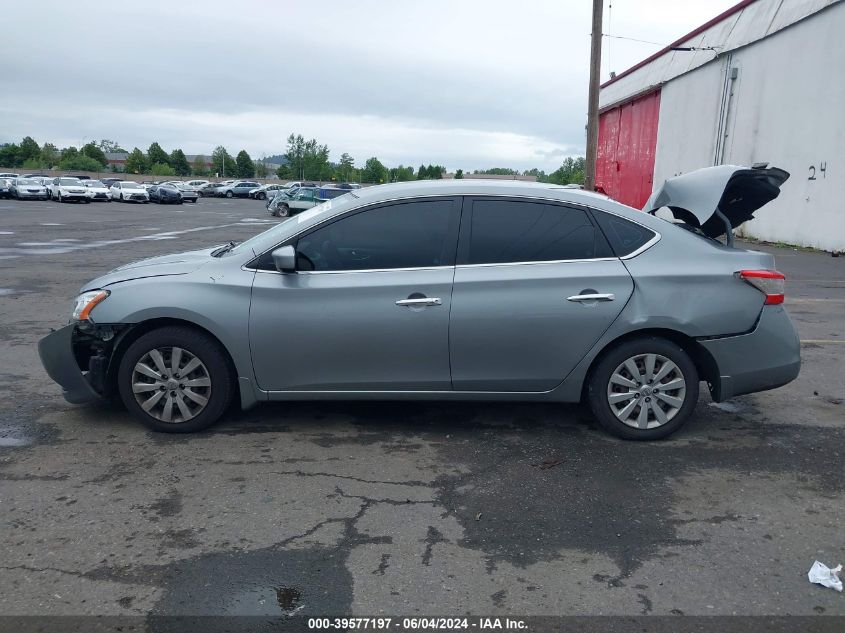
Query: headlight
(86, 302)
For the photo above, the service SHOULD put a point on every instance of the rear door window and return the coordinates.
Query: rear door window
(502, 231)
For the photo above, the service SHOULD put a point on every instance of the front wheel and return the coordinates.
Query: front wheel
(176, 380)
(283, 211)
(261, 196)
(644, 389)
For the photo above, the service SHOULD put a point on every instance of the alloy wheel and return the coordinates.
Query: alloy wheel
(171, 384)
(646, 391)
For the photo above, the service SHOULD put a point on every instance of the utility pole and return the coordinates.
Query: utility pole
(593, 97)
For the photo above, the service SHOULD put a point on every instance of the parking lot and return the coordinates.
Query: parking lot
(399, 508)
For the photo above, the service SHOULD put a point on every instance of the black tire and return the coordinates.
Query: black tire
(122, 199)
(283, 211)
(87, 201)
(200, 345)
(261, 195)
(598, 381)
(229, 194)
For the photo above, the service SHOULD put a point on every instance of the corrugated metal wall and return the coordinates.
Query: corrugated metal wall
(626, 150)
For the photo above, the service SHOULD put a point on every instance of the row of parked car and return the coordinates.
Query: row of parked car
(282, 199)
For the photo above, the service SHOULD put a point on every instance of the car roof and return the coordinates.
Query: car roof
(464, 187)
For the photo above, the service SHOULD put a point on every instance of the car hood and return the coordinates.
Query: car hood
(736, 191)
(176, 264)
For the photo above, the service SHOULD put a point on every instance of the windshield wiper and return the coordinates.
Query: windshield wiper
(223, 249)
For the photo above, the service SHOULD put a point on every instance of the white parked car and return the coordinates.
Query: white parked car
(66, 188)
(196, 184)
(97, 190)
(266, 191)
(128, 191)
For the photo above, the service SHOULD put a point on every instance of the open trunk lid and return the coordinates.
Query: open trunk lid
(718, 199)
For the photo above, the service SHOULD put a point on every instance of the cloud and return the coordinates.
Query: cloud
(465, 84)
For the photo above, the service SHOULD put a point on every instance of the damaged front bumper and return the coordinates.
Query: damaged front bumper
(77, 358)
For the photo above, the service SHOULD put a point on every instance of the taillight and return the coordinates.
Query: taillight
(770, 282)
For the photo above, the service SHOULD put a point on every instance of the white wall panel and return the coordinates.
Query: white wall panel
(788, 109)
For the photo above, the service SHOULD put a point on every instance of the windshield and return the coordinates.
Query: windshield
(94, 183)
(69, 181)
(130, 185)
(27, 181)
(290, 225)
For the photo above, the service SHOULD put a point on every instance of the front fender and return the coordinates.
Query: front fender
(216, 299)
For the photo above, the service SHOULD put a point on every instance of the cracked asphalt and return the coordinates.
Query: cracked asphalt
(399, 508)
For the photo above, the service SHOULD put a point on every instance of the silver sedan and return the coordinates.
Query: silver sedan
(450, 290)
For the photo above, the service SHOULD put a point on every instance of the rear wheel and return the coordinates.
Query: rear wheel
(176, 380)
(644, 389)
(229, 194)
(283, 211)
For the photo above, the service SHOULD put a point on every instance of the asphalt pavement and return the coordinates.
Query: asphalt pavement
(399, 508)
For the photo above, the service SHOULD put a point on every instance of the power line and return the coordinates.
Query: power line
(632, 39)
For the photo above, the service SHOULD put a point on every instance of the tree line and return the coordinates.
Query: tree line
(304, 160)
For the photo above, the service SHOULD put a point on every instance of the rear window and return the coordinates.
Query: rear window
(624, 236)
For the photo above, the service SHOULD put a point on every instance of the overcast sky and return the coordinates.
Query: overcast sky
(463, 83)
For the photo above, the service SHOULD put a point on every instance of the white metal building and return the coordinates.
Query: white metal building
(763, 82)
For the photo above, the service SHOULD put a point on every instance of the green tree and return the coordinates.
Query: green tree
(110, 146)
(435, 172)
(73, 159)
(157, 155)
(261, 169)
(295, 155)
(222, 162)
(28, 150)
(162, 169)
(345, 167)
(571, 171)
(136, 162)
(49, 155)
(374, 171)
(179, 162)
(245, 168)
(9, 155)
(459, 174)
(284, 172)
(200, 166)
(497, 171)
(422, 173)
(92, 151)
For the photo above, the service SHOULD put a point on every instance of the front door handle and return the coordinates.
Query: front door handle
(420, 302)
(592, 297)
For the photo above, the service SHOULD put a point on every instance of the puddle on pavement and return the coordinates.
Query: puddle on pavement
(7, 292)
(266, 601)
(11, 438)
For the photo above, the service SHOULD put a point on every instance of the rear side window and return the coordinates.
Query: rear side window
(624, 236)
(509, 231)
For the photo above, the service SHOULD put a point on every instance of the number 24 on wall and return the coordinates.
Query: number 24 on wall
(822, 169)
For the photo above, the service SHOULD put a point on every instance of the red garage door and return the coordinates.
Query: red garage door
(625, 153)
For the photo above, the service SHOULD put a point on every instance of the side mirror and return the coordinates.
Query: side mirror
(285, 259)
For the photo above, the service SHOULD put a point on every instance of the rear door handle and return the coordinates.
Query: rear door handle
(592, 297)
(421, 302)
